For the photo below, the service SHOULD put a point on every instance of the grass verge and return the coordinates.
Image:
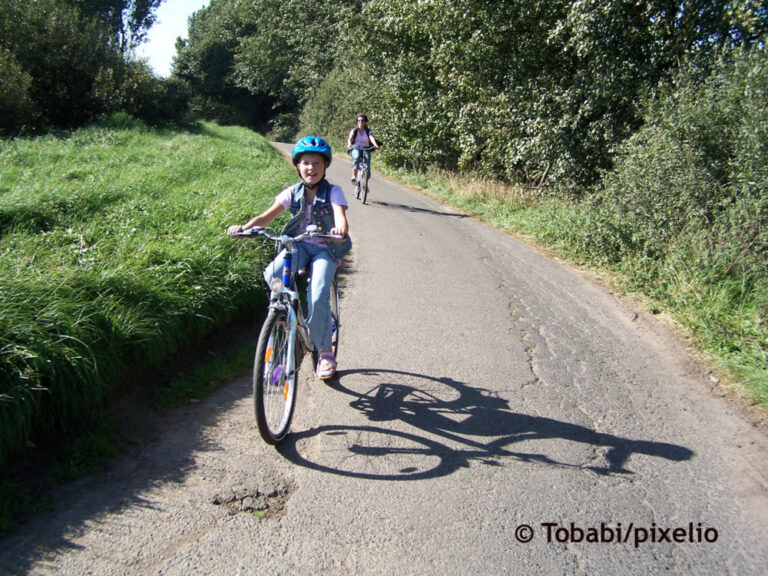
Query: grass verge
(113, 258)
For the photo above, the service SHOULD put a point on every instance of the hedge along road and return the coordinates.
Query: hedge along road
(495, 412)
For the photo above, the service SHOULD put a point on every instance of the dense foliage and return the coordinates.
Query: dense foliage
(686, 210)
(65, 63)
(254, 62)
(531, 91)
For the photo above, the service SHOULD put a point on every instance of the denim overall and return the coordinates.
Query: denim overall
(322, 261)
(322, 214)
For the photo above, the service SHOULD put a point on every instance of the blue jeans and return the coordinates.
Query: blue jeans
(322, 267)
(357, 154)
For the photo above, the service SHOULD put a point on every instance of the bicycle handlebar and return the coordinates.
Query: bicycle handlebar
(312, 232)
(366, 148)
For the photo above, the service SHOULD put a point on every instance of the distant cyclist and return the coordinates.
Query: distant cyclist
(360, 135)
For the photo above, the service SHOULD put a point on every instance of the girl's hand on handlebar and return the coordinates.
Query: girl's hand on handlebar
(237, 231)
(339, 231)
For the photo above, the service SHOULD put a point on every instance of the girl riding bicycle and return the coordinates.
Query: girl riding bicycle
(312, 201)
(360, 137)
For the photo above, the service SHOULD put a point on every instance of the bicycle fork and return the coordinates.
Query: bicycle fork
(279, 369)
(297, 337)
(293, 324)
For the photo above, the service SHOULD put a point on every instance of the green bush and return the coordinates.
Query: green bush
(133, 89)
(15, 104)
(685, 213)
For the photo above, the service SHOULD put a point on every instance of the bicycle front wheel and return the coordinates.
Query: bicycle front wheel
(274, 381)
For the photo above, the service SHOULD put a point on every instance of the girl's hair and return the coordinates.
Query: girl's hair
(359, 116)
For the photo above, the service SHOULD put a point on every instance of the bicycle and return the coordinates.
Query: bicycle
(363, 172)
(284, 339)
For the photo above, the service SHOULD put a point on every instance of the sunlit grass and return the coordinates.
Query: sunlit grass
(113, 256)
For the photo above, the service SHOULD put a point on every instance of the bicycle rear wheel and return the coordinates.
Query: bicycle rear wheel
(364, 188)
(336, 324)
(274, 388)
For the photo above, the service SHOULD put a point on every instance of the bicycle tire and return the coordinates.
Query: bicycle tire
(364, 188)
(336, 329)
(274, 391)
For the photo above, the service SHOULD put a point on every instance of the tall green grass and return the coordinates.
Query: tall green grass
(113, 256)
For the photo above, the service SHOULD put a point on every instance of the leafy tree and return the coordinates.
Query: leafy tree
(331, 109)
(204, 63)
(61, 53)
(619, 50)
(446, 78)
(128, 20)
(67, 62)
(268, 54)
(531, 91)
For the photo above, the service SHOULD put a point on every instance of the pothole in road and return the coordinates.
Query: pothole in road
(269, 503)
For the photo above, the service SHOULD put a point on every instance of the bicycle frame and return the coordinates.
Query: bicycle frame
(284, 295)
(364, 165)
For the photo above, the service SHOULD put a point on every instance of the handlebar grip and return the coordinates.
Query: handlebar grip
(254, 231)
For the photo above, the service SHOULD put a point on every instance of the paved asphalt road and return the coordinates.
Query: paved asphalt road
(495, 413)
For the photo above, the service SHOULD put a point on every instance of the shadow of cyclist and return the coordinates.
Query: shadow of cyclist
(473, 424)
(409, 208)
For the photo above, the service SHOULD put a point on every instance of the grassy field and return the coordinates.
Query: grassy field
(113, 256)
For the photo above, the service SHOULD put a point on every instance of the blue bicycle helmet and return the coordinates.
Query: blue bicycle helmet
(311, 144)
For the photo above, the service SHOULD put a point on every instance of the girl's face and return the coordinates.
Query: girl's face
(311, 168)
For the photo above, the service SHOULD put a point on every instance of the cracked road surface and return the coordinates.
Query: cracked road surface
(495, 413)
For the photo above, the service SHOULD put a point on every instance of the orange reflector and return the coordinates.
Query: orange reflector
(268, 354)
(285, 392)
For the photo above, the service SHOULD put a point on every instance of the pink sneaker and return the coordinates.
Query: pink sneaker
(326, 366)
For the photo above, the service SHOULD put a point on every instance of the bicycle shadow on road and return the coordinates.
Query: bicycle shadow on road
(409, 208)
(455, 425)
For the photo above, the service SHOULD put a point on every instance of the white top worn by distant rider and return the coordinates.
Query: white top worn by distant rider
(362, 139)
